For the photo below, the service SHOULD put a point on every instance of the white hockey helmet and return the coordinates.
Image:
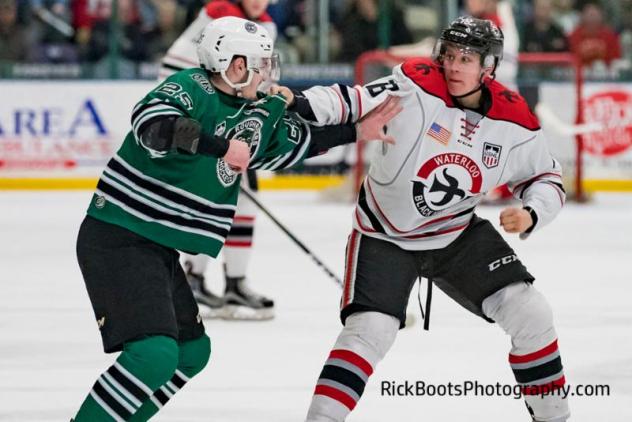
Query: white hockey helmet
(225, 38)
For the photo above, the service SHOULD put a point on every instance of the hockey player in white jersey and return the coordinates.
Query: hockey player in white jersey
(460, 134)
(238, 301)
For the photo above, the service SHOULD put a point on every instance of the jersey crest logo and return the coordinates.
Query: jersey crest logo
(99, 201)
(220, 128)
(248, 131)
(491, 155)
(444, 181)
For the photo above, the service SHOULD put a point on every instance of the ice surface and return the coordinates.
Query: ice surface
(50, 350)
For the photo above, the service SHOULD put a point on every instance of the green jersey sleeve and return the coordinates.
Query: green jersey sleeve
(182, 94)
(288, 146)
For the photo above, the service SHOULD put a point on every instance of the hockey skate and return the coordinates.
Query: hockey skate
(241, 303)
(212, 306)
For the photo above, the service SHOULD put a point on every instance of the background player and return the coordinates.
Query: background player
(239, 301)
(460, 135)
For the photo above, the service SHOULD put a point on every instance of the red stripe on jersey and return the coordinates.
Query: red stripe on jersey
(334, 393)
(535, 355)
(243, 219)
(238, 244)
(359, 220)
(350, 268)
(359, 102)
(353, 358)
(536, 390)
(539, 176)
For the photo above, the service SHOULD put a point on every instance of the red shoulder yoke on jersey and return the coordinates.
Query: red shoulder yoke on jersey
(507, 105)
(428, 76)
(222, 8)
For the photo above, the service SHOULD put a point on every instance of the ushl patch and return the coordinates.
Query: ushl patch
(491, 155)
(439, 133)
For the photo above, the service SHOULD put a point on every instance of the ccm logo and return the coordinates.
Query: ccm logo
(502, 261)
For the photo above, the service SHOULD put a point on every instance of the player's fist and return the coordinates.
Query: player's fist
(238, 155)
(371, 126)
(515, 220)
(283, 90)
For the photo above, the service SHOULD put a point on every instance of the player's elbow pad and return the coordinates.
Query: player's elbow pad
(183, 135)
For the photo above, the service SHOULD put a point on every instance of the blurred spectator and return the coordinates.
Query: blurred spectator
(170, 23)
(191, 9)
(593, 40)
(138, 39)
(626, 33)
(359, 28)
(541, 34)
(14, 45)
(565, 15)
(297, 24)
(52, 32)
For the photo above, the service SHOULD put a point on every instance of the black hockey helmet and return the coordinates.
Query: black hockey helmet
(470, 34)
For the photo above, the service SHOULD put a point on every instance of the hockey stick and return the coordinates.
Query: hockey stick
(292, 237)
(410, 318)
(548, 116)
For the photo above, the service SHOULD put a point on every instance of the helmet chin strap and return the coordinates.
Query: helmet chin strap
(237, 86)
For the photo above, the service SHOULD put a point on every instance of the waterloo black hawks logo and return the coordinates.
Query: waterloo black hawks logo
(445, 180)
(248, 131)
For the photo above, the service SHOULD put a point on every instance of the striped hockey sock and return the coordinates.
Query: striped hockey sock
(121, 390)
(192, 358)
(160, 397)
(344, 377)
(541, 376)
(118, 393)
(238, 246)
(363, 342)
(539, 372)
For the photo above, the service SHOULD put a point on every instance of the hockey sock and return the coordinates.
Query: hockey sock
(363, 342)
(192, 358)
(238, 246)
(535, 359)
(142, 367)
(198, 263)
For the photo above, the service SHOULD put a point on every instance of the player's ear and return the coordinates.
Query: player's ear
(238, 67)
(486, 72)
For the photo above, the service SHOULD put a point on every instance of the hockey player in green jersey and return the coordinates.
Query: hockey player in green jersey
(173, 185)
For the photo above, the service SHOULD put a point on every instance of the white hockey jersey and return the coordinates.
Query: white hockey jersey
(183, 53)
(421, 192)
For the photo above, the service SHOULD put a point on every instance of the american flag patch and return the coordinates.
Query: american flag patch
(440, 133)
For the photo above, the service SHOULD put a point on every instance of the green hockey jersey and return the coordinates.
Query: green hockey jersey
(187, 202)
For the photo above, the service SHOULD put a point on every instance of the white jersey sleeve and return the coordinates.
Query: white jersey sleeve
(536, 179)
(339, 104)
